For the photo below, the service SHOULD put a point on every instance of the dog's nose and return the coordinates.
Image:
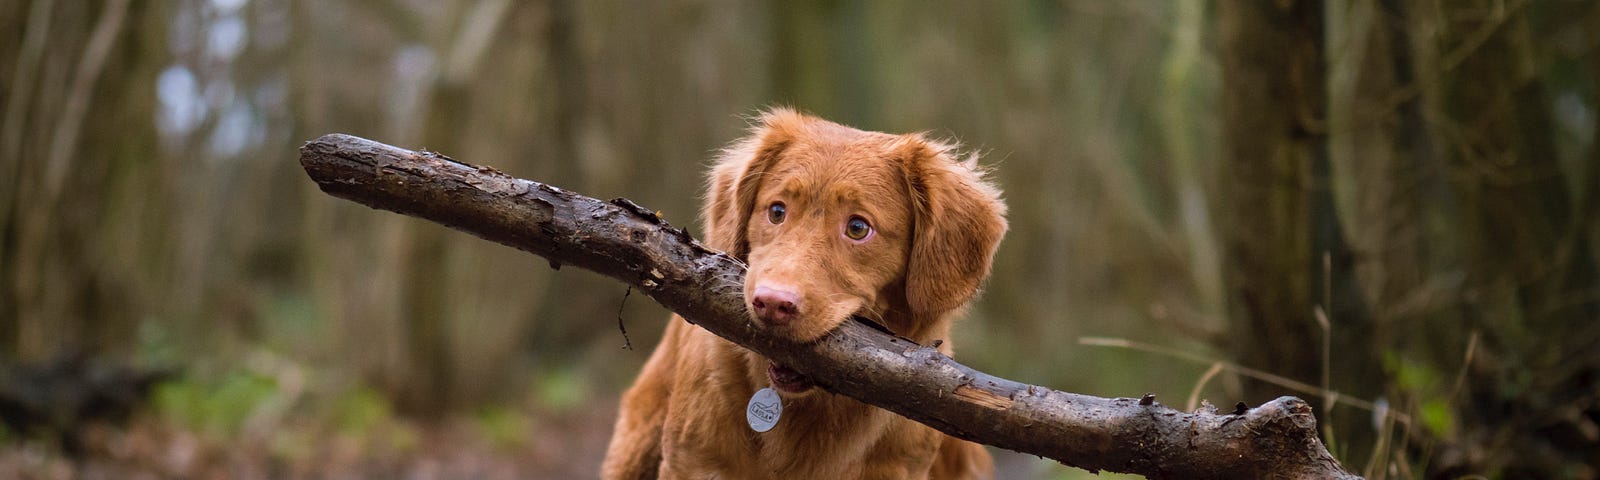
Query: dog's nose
(776, 307)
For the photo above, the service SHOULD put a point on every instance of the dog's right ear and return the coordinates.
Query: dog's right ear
(736, 178)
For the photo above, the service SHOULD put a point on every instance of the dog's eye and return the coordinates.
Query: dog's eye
(857, 228)
(776, 212)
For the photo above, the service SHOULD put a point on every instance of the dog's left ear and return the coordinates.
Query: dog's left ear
(958, 218)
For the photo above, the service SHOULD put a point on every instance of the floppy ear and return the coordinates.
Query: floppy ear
(958, 221)
(736, 179)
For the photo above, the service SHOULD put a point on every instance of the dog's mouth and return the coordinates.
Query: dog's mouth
(787, 380)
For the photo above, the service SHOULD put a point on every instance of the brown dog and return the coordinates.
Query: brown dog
(832, 221)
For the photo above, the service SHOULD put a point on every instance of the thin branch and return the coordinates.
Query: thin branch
(20, 98)
(70, 124)
(1278, 380)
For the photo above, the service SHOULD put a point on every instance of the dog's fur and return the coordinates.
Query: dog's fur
(935, 226)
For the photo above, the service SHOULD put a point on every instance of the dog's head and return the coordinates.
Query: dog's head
(835, 221)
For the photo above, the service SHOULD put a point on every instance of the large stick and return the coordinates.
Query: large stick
(631, 244)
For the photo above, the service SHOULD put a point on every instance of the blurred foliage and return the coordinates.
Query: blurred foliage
(506, 428)
(359, 411)
(151, 211)
(220, 409)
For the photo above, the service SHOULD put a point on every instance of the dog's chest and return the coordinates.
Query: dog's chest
(821, 439)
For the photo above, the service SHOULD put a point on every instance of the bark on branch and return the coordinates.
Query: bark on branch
(631, 244)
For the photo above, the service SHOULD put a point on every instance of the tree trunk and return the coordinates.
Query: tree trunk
(1388, 172)
(62, 203)
(1274, 105)
(1288, 270)
(1523, 280)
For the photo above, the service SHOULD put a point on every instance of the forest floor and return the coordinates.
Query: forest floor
(570, 446)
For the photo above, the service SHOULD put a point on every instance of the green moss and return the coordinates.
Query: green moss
(560, 390)
(505, 428)
(1440, 418)
(220, 407)
(361, 409)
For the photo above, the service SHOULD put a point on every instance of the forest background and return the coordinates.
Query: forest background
(1389, 203)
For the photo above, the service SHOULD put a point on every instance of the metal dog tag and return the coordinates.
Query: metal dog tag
(764, 409)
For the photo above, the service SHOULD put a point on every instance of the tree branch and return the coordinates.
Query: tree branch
(629, 243)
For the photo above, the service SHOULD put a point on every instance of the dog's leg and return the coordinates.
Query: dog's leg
(635, 450)
(960, 459)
